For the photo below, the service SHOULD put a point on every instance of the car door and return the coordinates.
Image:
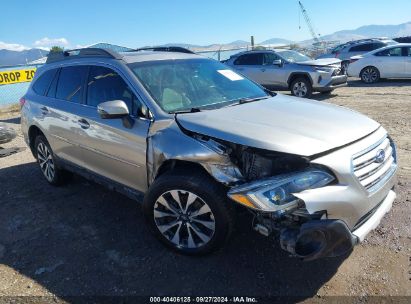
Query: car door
(391, 62)
(272, 73)
(60, 114)
(114, 148)
(250, 65)
(407, 55)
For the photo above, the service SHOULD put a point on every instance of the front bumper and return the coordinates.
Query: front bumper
(375, 217)
(330, 238)
(331, 84)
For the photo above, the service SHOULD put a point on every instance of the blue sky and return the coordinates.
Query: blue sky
(137, 23)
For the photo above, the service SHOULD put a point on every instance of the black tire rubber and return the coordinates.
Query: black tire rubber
(213, 194)
(60, 176)
(372, 67)
(307, 84)
(326, 92)
(344, 66)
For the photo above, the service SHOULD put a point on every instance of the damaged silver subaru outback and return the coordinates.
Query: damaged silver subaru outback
(197, 140)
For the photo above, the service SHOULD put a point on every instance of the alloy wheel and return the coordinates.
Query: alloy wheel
(369, 75)
(300, 89)
(46, 162)
(184, 219)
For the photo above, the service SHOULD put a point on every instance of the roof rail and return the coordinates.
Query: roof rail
(177, 49)
(82, 53)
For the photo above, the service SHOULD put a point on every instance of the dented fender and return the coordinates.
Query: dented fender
(166, 141)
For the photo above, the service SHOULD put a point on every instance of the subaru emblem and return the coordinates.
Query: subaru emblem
(380, 156)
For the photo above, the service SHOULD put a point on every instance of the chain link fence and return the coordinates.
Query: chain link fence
(14, 82)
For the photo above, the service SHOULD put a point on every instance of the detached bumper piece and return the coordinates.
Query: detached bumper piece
(317, 239)
(9, 151)
(6, 134)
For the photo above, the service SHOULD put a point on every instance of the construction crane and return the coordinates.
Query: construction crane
(316, 37)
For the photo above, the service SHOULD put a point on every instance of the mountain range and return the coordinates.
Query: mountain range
(8, 57)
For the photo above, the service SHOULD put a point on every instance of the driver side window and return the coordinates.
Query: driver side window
(104, 84)
(269, 58)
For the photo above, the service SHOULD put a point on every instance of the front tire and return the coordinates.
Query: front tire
(301, 87)
(370, 74)
(47, 163)
(189, 212)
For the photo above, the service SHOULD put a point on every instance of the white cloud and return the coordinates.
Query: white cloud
(12, 46)
(49, 42)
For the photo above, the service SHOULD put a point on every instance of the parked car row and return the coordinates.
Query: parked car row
(290, 70)
(287, 69)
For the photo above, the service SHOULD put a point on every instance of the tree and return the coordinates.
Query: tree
(294, 46)
(56, 49)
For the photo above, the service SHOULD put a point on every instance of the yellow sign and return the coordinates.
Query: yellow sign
(16, 76)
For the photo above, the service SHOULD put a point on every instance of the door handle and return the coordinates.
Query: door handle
(44, 110)
(83, 123)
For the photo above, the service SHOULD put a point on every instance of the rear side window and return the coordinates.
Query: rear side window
(393, 52)
(250, 59)
(71, 83)
(366, 47)
(104, 84)
(43, 82)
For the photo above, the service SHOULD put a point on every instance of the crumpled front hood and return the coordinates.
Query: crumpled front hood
(283, 124)
(321, 62)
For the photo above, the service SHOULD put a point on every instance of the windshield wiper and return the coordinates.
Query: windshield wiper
(247, 100)
(191, 110)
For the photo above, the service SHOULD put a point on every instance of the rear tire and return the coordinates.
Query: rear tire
(301, 87)
(370, 74)
(189, 212)
(47, 162)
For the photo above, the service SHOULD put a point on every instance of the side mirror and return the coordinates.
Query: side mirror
(278, 62)
(112, 109)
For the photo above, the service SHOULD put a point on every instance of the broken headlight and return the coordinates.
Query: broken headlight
(276, 193)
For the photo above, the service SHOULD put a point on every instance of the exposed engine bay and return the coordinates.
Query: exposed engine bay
(256, 163)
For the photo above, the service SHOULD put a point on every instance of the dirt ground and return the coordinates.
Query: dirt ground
(82, 239)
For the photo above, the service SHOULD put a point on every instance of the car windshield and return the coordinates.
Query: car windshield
(184, 84)
(293, 56)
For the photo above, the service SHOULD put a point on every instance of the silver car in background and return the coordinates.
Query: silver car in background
(389, 62)
(289, 70)
(198, 141)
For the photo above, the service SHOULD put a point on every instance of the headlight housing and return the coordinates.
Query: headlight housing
(276, 193)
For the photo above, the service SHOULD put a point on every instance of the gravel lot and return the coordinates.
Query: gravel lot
(82, 239)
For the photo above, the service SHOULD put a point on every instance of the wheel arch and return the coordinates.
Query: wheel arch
(370, 66)
(33, 132)
(170, 165)
(293, 76)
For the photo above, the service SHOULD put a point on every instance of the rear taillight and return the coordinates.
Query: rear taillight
(22, 101)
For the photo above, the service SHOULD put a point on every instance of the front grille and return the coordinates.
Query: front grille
(372, 167)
